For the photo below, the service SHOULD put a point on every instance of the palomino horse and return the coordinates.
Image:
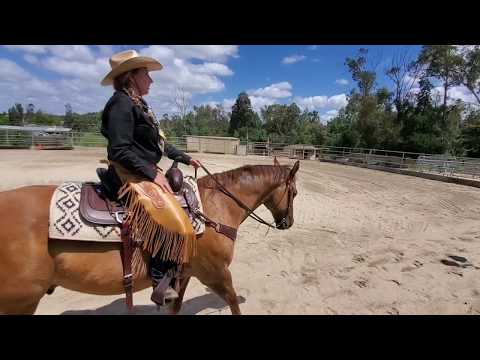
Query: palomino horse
(31, 264)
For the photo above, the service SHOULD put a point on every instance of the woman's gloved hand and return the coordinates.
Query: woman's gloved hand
(195, 163)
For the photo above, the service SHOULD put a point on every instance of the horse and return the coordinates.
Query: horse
(32, 264)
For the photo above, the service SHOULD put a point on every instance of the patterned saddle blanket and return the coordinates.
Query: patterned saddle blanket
(67, 223)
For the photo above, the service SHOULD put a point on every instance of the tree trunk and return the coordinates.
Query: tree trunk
(472, 90)
(445, 89)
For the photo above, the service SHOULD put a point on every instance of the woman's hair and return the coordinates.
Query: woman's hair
(124, 81)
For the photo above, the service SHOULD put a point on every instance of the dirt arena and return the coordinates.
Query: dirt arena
(363, 242)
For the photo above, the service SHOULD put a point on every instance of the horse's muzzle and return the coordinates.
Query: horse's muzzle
(284, 224)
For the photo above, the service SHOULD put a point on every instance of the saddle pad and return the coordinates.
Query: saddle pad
(198, 225)
(66, 223)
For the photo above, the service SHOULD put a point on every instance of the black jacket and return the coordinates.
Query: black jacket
(133, 141)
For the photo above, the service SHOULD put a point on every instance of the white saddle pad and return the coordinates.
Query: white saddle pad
(65, 222)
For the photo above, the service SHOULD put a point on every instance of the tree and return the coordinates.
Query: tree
(16, 115)
(3, 119)
(368, 111)
(68, 119)
(242, 114)
(471, 134)
(182, 104)
(310, 130)
(340, 130)
(364, 78)
(469, 69)
(281, 122)
(442, 62)
(42, 118)
(404, 74)
(29, 116)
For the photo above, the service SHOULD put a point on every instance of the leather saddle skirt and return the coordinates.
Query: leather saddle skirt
(96, 208)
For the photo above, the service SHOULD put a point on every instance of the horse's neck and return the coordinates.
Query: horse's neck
(251, 186)
(256, 189)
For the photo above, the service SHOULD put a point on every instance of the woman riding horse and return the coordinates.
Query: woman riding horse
(136, 143)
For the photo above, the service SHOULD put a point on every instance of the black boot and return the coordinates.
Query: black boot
(162, 293)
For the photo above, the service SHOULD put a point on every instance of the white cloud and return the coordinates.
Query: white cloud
(341, 81)
(213, 69)
(227, 104)
(197, 69)
(329, 115)
(335, 102)
(409, 81)
(11, 72)
(219, 53)
(293, 59)
(106, 50)
(258, 102)
(454, 93)
(312, 102)
(37, 49)
(32, 59)
(162, 53)
(313, 47)
(40, 87)
(277, 91)
(80, 53)
(89, 71)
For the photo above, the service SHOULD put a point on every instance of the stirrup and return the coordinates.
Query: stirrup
(168, 297)
(163, 293)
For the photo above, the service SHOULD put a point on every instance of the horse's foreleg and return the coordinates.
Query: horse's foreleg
(224, 288)
(177, 303)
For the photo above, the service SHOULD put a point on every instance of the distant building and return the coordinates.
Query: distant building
(299, 151)
(213, 144)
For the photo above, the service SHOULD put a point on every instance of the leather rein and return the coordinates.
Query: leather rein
(250, 212)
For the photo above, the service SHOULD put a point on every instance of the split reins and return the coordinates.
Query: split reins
(250, 212)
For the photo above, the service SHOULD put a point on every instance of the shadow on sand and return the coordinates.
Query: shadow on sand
(189, 307)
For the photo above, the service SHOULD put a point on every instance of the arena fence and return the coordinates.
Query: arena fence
(376, 158)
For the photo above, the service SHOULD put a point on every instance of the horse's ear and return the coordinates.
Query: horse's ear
(294, 169)
(275, 161)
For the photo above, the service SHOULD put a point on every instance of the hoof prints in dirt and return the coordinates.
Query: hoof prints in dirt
(362, 283)
(458, 261)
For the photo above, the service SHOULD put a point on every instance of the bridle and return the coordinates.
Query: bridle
(288, 188)
(250, 212)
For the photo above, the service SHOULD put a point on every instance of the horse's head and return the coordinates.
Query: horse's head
(280, 201)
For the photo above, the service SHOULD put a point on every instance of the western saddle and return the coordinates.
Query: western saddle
(99, 205)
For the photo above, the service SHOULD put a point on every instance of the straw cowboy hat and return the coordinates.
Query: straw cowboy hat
(128, 60)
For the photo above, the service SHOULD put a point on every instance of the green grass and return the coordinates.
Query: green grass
(89, 139)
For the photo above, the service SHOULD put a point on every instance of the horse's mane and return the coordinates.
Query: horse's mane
(275, 174)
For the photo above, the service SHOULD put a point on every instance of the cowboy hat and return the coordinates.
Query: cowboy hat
(128, 60)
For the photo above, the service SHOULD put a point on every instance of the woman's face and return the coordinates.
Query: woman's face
(143, 81)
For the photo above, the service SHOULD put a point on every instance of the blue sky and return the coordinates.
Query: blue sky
(315, 77)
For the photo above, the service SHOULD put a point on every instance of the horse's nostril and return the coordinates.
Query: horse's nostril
(282, 226)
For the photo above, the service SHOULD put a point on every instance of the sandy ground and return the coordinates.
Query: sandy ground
(363, 242)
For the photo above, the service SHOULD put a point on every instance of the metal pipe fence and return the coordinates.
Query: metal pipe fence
(379, 158)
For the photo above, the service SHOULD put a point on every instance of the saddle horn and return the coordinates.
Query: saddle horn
(175, 177)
